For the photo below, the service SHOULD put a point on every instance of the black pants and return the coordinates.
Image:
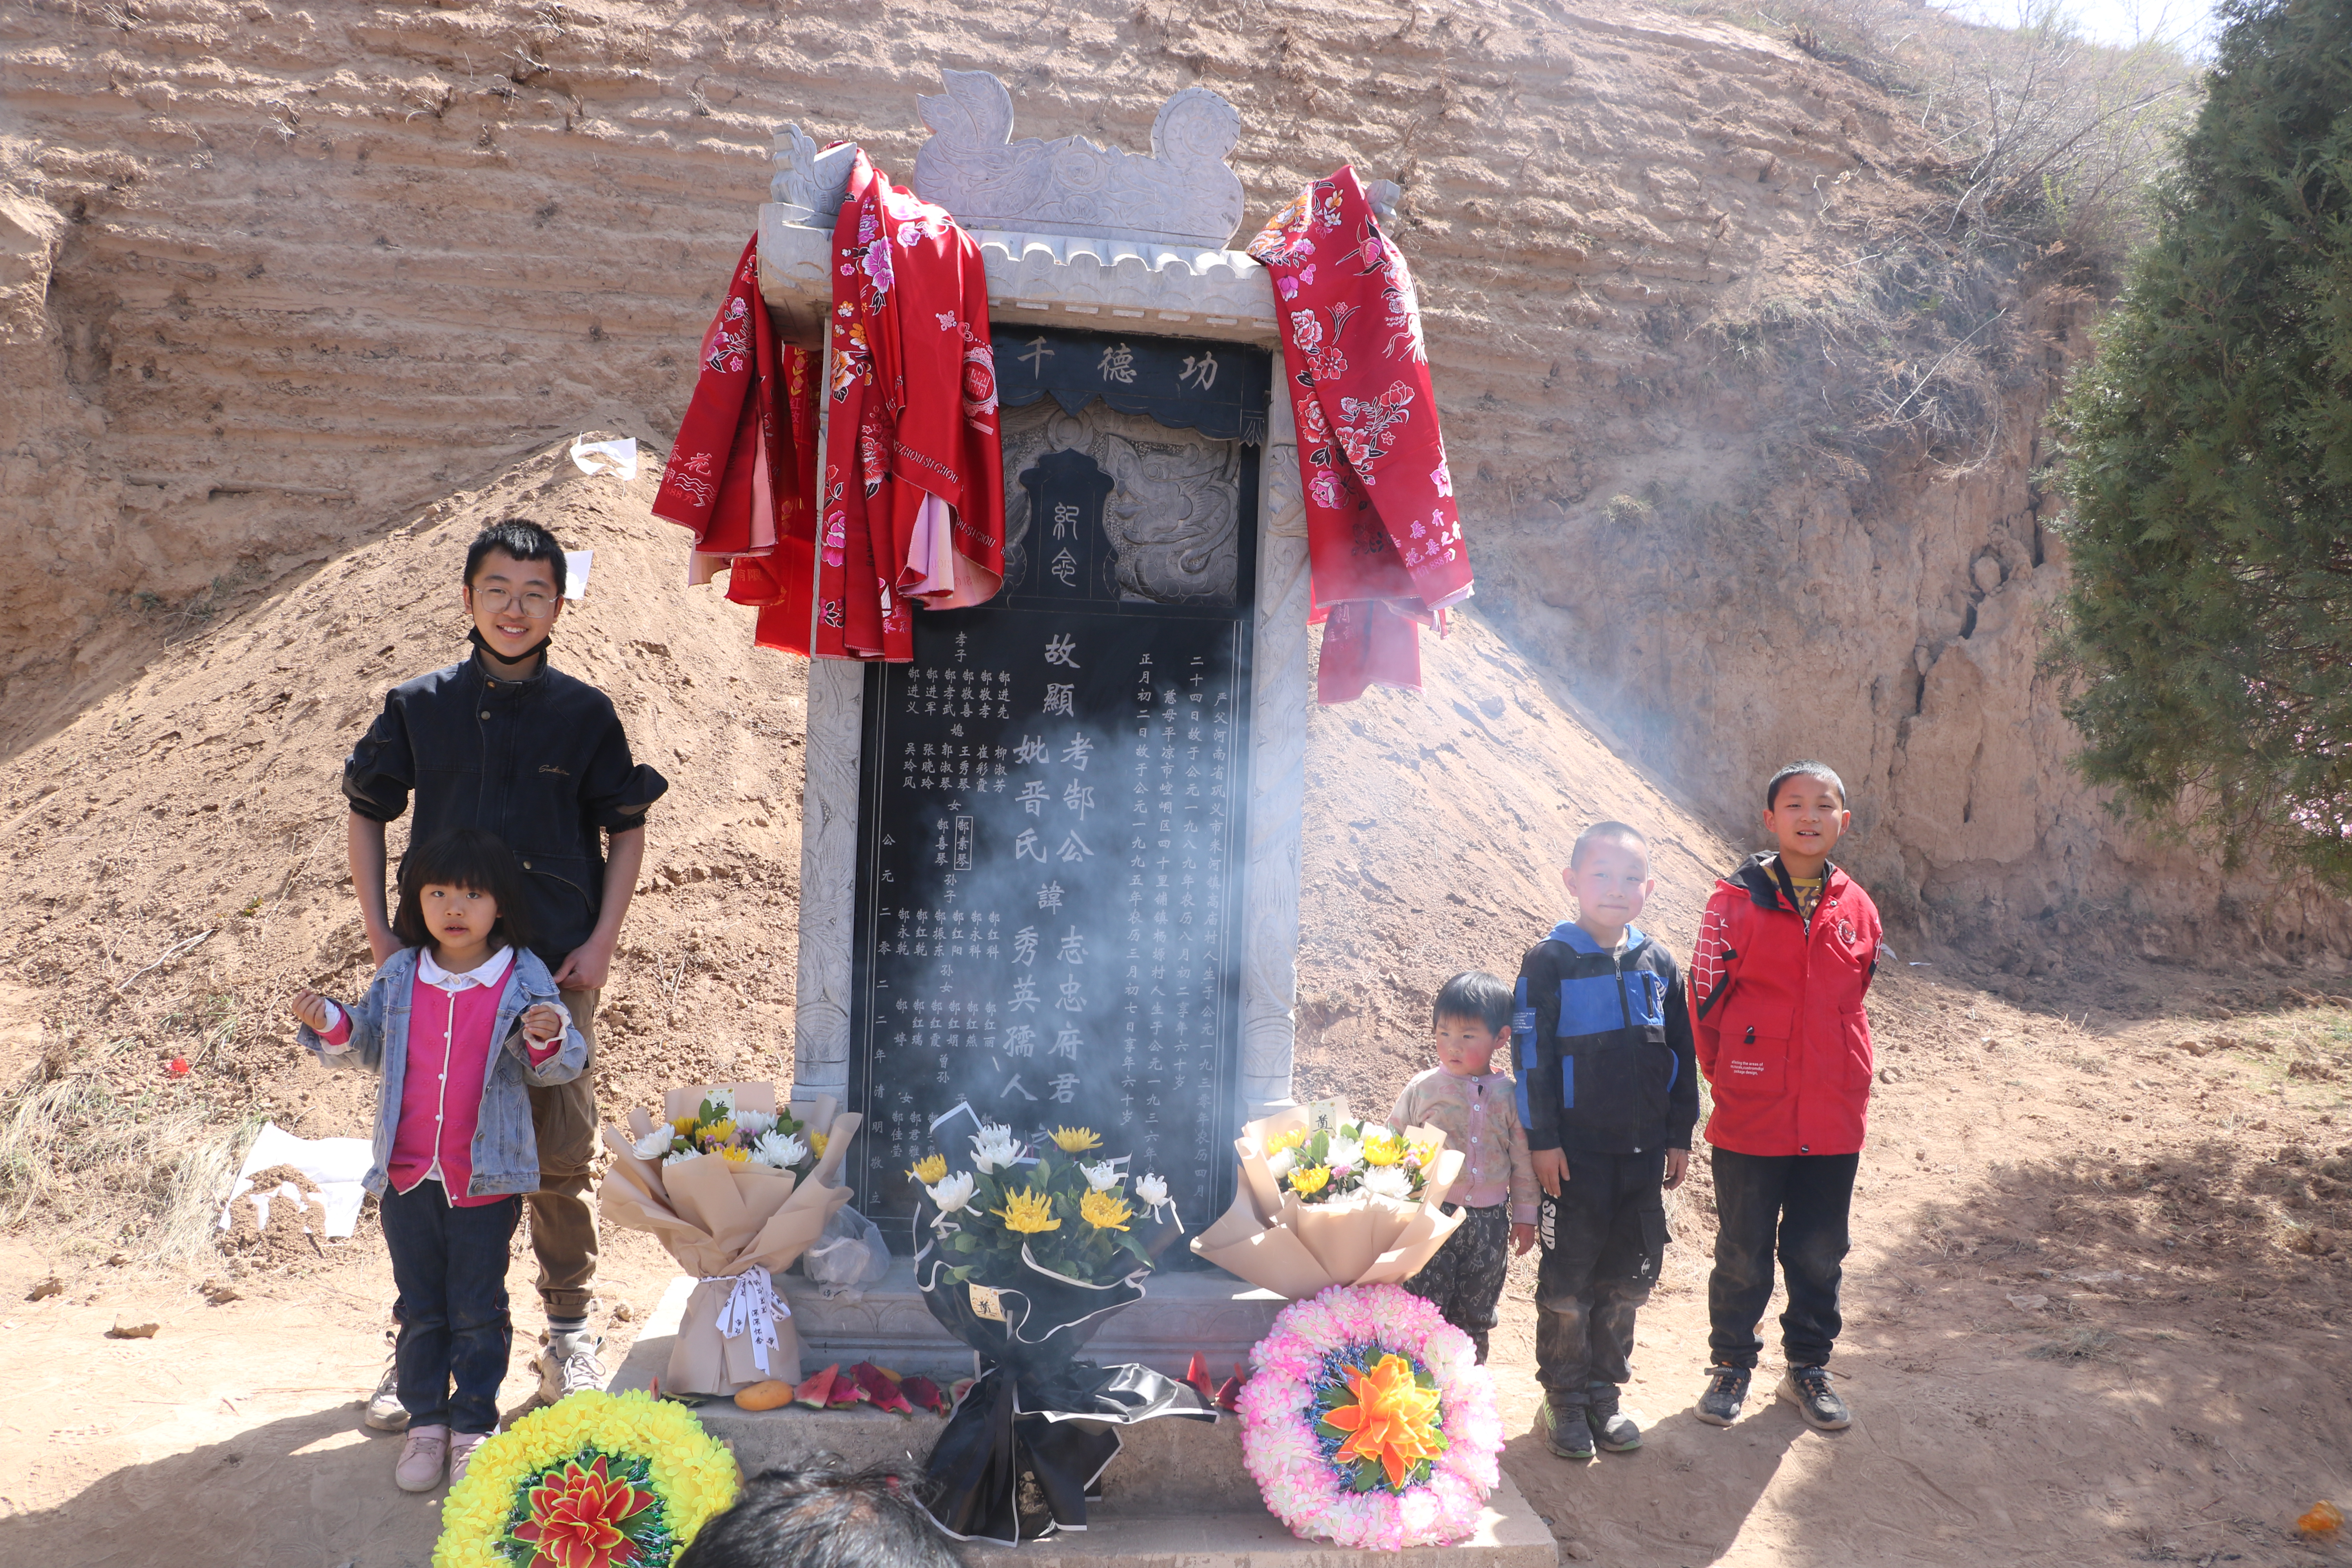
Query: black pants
(1603, 1238)
(450, 1264)
(1464, 1279)
(1795, 1205)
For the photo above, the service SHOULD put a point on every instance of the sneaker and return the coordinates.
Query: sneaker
(386, 1412)
(1616, 1432)
(1566, 1433)
(461, 1453)
(1807, 1388)
(569, 1364)
(1727, 1391)
(422, 1457)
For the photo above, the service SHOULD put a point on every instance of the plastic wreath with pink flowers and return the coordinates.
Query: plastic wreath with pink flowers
(1367, 1421)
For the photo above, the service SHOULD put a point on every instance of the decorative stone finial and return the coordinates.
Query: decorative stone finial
(1181, 194)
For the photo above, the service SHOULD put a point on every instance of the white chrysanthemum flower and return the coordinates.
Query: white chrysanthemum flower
(953, 1193)
(779, 1150)
(681, 1156)
(992, 1147)
(1280, 1161)
(1346, 1154)
(1151, 1190)
(654, 1144)
(1387, 1182)
(751, 1123)
(1102, 1177)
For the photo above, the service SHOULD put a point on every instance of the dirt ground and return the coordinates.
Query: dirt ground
(2095, 1314)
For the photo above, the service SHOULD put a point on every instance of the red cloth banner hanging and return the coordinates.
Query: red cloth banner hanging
(1383, 540)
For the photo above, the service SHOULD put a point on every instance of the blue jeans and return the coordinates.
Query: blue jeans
(450, 1265)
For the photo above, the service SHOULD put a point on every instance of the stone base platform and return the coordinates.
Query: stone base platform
(1211, 1312)
(1176, 1497)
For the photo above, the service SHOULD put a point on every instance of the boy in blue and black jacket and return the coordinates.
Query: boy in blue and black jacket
(1608, 1094)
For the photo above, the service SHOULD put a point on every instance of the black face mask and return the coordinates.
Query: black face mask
(483, 643)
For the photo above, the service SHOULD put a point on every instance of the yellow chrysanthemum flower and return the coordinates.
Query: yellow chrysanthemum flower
(1028, 1212)
(1308, 1180)
(930, 1170)
(1383, 1149)
(1076, 1140)
(1105, 1211)
(1427, 1153)
(719, 1131)
(816, 1144)
(1281, 1141)
(735, 1156)
(683, 1126)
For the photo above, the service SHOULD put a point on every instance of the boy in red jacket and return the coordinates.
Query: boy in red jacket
(1786, 950)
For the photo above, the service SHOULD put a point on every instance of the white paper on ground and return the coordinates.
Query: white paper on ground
(618, 457)
(339, 1166)
(575, 573)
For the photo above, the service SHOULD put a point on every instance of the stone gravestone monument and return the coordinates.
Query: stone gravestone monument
(1051, 866)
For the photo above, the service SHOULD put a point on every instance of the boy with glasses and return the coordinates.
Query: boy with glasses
(502, 743)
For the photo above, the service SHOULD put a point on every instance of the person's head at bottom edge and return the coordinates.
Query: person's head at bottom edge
(824, 1515)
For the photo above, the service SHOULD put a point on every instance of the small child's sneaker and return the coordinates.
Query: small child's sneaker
(1566, 1431)
(1727, 1391)
(1807, 1388)
(386, 1412)
(461, 1453)
(422, 1456)
(1616, 1432)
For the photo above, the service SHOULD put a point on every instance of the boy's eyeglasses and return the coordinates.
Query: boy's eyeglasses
(496, 600)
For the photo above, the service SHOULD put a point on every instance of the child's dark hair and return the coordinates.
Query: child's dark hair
(520, 538)
(1474, 994)
(1802, 770)
(824, 1516)
(1622, 832)
(467, 857)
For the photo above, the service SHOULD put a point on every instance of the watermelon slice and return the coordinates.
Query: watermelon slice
(1197, 1374)
(924, 1394)
(881, 1388)
(817, 1392)
(1229, 1396)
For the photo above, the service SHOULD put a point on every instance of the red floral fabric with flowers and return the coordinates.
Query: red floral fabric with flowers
(741, 474)
(1383, 540)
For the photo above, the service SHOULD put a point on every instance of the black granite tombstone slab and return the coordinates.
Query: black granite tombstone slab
(1051, 849)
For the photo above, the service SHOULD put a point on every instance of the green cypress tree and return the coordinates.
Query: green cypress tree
(2210, 466)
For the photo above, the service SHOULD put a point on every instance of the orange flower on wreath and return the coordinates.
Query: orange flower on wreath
(576, 1516)
(1393, 1420)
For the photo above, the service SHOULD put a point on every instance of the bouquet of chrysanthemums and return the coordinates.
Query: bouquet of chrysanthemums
(1028, 1247)
(736, 1188)
(1323, 1201)
(1323, 1163)
(1064, 1212)
(740, 1134)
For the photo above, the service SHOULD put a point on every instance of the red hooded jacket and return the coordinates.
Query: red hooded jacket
(1777, 1009)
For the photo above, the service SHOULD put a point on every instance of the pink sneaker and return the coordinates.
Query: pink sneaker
(461, 1453)
(421, 1458)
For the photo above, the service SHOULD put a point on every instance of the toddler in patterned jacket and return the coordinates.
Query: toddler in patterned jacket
(1479, 1112)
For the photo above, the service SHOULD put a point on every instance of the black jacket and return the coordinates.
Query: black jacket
(1604, 1046)
(542, 762)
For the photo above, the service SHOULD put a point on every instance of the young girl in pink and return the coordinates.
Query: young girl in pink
(457, 1022)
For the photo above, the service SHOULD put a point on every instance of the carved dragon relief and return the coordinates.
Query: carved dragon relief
(1183, 194)
(1173, 518)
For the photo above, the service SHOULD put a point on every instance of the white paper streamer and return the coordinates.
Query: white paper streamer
(752, 1307)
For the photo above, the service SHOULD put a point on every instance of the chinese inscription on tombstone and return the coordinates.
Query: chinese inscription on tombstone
(1050, 834)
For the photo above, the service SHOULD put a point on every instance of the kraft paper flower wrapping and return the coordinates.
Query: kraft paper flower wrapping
(1299, 1249)
(720, 1219)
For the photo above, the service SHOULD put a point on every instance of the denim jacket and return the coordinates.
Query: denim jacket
(505, 1152)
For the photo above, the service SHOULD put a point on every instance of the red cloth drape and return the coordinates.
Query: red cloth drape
(741, 473)
(912, 502)
(913, 493)
(1383, 540)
